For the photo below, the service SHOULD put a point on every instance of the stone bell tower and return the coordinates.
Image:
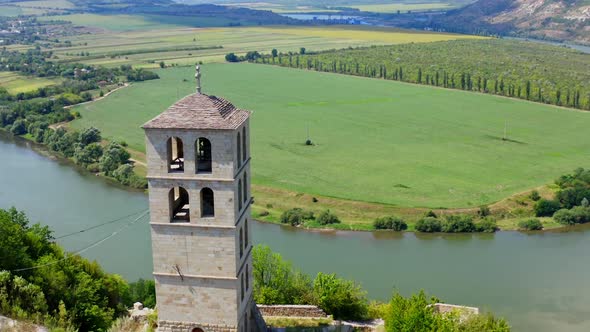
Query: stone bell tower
(198, 159)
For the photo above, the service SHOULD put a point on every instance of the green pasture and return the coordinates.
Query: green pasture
(15, 83)
(375, 140)
(154, 43)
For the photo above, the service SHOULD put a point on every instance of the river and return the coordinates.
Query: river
(537, 281)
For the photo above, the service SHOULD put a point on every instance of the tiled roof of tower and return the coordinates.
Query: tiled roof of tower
(199, 111)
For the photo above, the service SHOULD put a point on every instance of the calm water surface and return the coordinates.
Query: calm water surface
(538, 281)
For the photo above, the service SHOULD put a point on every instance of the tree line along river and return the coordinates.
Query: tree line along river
(537, 281)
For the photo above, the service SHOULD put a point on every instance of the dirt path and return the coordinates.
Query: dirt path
(99, 98)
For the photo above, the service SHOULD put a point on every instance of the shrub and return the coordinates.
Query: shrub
(231, 57)
(328, 218)
(431, 214)
(530, 225)
(428, 225)
(575, 215)
(394, 223)
(484, 211)
(535, 195)
(263, 213)
(564, 217)
(546, 208)
(341, 298)
(486, 225)
(458, 224)
(18, 127)
(296, 216)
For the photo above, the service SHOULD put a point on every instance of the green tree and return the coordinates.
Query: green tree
(275, 280)
(90, 135)
(341, 298)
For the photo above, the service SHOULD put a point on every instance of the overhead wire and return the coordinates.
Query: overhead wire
(98, 226)
(78, 252)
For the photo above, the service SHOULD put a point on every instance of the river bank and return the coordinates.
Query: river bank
(270, 203)
(502, 272)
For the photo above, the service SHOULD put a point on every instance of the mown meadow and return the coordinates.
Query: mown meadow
(374, 140)
(525, 70)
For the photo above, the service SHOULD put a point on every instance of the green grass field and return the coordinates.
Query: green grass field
(15, 83)
(376, 141)
(238, 40)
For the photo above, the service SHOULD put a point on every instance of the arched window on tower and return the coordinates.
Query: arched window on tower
(175, 152)
(179, 205)
(245, 188)
(207, 203)
(197, 329)
(239, 149)
(244, 148)
(240, 195)
(203, 153)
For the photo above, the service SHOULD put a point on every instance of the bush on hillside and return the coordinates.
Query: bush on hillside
(484, 211)
(296, 216)
(328, 218)
(393, 223)
(428, 225)
(530, 225)
(546, 208)
(535, 196)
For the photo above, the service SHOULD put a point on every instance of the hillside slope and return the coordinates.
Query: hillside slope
(565, 20)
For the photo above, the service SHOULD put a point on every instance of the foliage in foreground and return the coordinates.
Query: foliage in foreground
(416, 314)
(277, 282)
(42, 283)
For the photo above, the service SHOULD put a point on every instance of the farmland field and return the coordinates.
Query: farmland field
(16, 83)
(305, 6)
(376, 141)
(153, 43)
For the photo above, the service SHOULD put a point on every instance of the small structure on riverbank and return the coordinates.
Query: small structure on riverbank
(199, 195)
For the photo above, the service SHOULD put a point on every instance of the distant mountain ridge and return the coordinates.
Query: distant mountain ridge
(564, 20)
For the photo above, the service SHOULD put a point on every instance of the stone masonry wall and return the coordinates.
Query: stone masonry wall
(291, 311)
(172, 326)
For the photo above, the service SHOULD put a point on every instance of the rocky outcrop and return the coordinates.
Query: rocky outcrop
(566, 20)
